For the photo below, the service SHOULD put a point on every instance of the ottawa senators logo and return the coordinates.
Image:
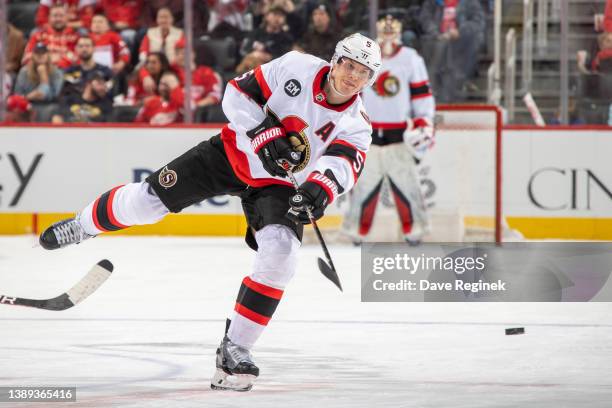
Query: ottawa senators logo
(386, 85)
(298, 139)
(167, 177)
(296, 133)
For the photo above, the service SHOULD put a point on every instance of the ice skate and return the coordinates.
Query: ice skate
(235, 368)
(63, 233)
(415, 237)
(413, 242)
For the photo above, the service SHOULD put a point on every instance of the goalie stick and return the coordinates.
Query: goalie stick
(79, 292)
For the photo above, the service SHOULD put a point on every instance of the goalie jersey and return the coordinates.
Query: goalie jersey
(401, 91)
(332, 139)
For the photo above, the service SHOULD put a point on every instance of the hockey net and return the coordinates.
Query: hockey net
(461, 180)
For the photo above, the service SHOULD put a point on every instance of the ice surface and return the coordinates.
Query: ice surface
(147, 337)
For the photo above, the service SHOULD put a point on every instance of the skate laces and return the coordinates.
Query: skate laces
(69, 232)
(238, 354)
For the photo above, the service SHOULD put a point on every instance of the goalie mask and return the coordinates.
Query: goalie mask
(388, 34)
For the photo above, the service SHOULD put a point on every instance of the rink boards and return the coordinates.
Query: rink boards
(556, 183)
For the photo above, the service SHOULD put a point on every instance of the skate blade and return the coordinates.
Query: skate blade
(227, 382)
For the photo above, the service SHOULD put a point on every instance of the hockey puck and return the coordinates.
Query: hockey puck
(515, 330)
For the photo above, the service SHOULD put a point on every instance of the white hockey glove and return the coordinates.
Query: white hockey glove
(419, 136)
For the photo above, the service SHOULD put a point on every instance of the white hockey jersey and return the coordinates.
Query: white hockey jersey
(401, 91)
(332, 138)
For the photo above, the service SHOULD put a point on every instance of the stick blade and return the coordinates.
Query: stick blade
(90, 282)
(96, 276)
(106, 264)
(329, 273)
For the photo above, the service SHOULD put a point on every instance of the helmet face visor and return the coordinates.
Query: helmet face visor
(355, 69)
(360, 50)
(388, 29)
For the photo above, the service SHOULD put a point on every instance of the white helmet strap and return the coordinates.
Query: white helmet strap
(331, 82)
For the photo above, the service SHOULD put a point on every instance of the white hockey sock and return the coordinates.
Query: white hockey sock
(260, 293)
(122, 207)
(244, 331)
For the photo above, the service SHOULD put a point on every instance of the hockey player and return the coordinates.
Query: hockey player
(401, 108)
(296, 109)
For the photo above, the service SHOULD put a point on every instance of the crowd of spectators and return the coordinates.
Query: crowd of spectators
(123, 60)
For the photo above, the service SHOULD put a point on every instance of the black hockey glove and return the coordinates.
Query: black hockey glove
(269, 141)
(316, 193)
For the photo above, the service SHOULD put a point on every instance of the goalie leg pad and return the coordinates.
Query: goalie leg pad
(368, 209)
(404, 209)
(407, 193)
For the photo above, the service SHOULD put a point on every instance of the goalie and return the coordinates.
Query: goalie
(401, 107)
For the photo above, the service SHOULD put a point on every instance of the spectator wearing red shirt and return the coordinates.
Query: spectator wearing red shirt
(205, 82)
(166, 107)
(79, 12)
(57, 36)
(109, 48)
(161, 38)
(147, 78)
(607, 23)
(601, 62)
(124, 16)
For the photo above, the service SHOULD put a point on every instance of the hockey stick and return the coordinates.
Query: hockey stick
(327, 268)
(79, 292)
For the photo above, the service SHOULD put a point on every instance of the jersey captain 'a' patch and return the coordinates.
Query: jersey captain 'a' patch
(312, 124)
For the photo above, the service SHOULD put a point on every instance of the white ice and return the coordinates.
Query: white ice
(147, 337)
